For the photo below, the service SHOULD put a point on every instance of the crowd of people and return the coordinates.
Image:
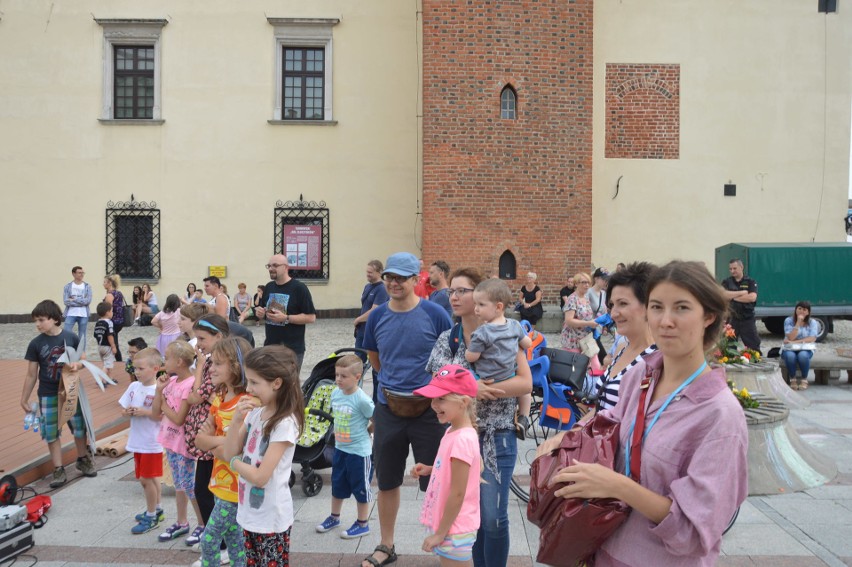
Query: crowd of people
(452, 382)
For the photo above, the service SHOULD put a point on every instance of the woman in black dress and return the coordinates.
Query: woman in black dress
(530, 299)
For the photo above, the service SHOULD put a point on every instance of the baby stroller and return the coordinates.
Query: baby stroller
(315, 447)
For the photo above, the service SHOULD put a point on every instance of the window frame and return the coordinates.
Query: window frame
(514, 110)
(130, 33)
(303, 33)
(133, 209)
(304, 75)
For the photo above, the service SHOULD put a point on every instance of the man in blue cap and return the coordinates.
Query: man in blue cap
(399, 337)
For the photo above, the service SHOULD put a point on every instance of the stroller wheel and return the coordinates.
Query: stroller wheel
(312, 484)
(292, 479)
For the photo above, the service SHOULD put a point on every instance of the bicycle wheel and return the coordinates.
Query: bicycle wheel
(518, 490)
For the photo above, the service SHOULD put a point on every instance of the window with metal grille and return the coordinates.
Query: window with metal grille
(133, 240)
(304, 88)
(134, 81)
(301, 234)
(508, 103)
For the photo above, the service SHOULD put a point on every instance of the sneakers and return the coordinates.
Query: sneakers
(159, 514)
(174, 531)
(357, 530)
(521, 426)
(328, 524)
(86, 466)
(195, 536)
(59, 477)
(145, 525)
(223, 559)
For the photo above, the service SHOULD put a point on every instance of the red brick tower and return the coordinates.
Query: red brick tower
(492, 183)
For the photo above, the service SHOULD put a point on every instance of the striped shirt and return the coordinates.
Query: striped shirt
(608, 386)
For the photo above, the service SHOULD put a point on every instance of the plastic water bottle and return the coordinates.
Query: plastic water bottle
(31, 419)
(36, 423)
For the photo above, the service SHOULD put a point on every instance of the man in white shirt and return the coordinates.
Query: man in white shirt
(77, 295)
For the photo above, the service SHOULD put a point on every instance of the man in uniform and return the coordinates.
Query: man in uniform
(742, 291)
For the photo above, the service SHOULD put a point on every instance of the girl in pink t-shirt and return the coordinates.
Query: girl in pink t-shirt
(168, 321)
(450, 509)
(171, 402)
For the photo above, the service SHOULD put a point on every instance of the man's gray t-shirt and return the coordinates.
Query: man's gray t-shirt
(498, 347)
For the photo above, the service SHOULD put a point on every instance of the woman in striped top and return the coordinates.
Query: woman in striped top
(627, 301)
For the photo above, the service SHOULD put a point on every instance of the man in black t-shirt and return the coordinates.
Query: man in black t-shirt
(742, 291)
(287, 306)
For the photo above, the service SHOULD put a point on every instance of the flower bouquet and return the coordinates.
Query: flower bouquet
(743, 396)
(728, 351)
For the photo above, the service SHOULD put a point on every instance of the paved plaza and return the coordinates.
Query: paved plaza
(91, 518)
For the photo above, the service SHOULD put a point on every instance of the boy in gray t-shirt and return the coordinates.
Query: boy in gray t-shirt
(494, 346)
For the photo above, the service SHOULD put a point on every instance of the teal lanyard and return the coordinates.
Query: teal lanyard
(666, 403)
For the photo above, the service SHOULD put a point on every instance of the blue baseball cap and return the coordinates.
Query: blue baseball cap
(402, 264)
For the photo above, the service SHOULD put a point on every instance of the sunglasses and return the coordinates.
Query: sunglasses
(395, 278)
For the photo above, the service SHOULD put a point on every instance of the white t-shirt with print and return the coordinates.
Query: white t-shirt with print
(143, 430)
(268, 509)
(77, 291)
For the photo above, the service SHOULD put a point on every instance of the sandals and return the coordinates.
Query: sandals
(794, 385)
(389, 551)
(803, 384)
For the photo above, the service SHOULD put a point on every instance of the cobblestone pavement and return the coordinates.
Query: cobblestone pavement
(323, 338)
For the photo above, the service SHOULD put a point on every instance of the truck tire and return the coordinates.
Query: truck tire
(774, 325)
(823, 324)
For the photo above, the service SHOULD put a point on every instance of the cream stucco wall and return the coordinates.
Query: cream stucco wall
(215, 168)
(765, 103)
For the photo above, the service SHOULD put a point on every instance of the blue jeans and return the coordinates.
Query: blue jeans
(492, 540)
(81, 329)
(802, 358)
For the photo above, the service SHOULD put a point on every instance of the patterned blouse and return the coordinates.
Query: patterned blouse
(583, 311)
(608, 386)
(198, 415)
(491, 415)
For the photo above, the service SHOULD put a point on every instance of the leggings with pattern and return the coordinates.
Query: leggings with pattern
(267, 549)
(222, 525)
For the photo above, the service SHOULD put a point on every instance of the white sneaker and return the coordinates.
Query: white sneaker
(223, 559)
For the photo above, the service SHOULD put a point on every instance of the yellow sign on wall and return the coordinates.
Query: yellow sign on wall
(218, 271)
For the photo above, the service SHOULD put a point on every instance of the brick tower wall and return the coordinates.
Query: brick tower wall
(492, 184)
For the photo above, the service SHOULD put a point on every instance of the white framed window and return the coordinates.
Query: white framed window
(303, 70)
(132, 70)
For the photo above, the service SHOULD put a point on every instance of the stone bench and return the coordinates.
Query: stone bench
(826, 365)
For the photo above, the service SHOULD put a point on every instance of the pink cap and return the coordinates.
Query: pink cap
(450, 379)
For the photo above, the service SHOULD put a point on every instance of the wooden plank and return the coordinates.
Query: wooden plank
(23, 453)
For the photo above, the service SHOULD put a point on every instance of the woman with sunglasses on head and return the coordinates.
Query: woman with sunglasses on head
(495, 414)
(579, 318)
(627, 306)
(683, 442)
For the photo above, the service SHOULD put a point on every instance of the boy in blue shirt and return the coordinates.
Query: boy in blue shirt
(352, 468)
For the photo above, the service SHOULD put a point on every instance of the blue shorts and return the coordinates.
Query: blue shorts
(351, 476)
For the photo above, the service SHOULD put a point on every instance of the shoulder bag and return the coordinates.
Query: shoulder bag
(573, 529)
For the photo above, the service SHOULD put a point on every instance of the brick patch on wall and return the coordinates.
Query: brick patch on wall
(492, 184)
(642, 111)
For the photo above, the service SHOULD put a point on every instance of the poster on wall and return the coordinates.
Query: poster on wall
(303, 246)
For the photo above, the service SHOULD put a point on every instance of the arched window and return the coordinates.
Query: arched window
(508, 103)
(507, 266)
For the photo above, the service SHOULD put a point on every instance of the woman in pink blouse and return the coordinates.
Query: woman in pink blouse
(693, 471)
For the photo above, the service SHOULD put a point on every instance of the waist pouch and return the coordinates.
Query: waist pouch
(404, 404)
